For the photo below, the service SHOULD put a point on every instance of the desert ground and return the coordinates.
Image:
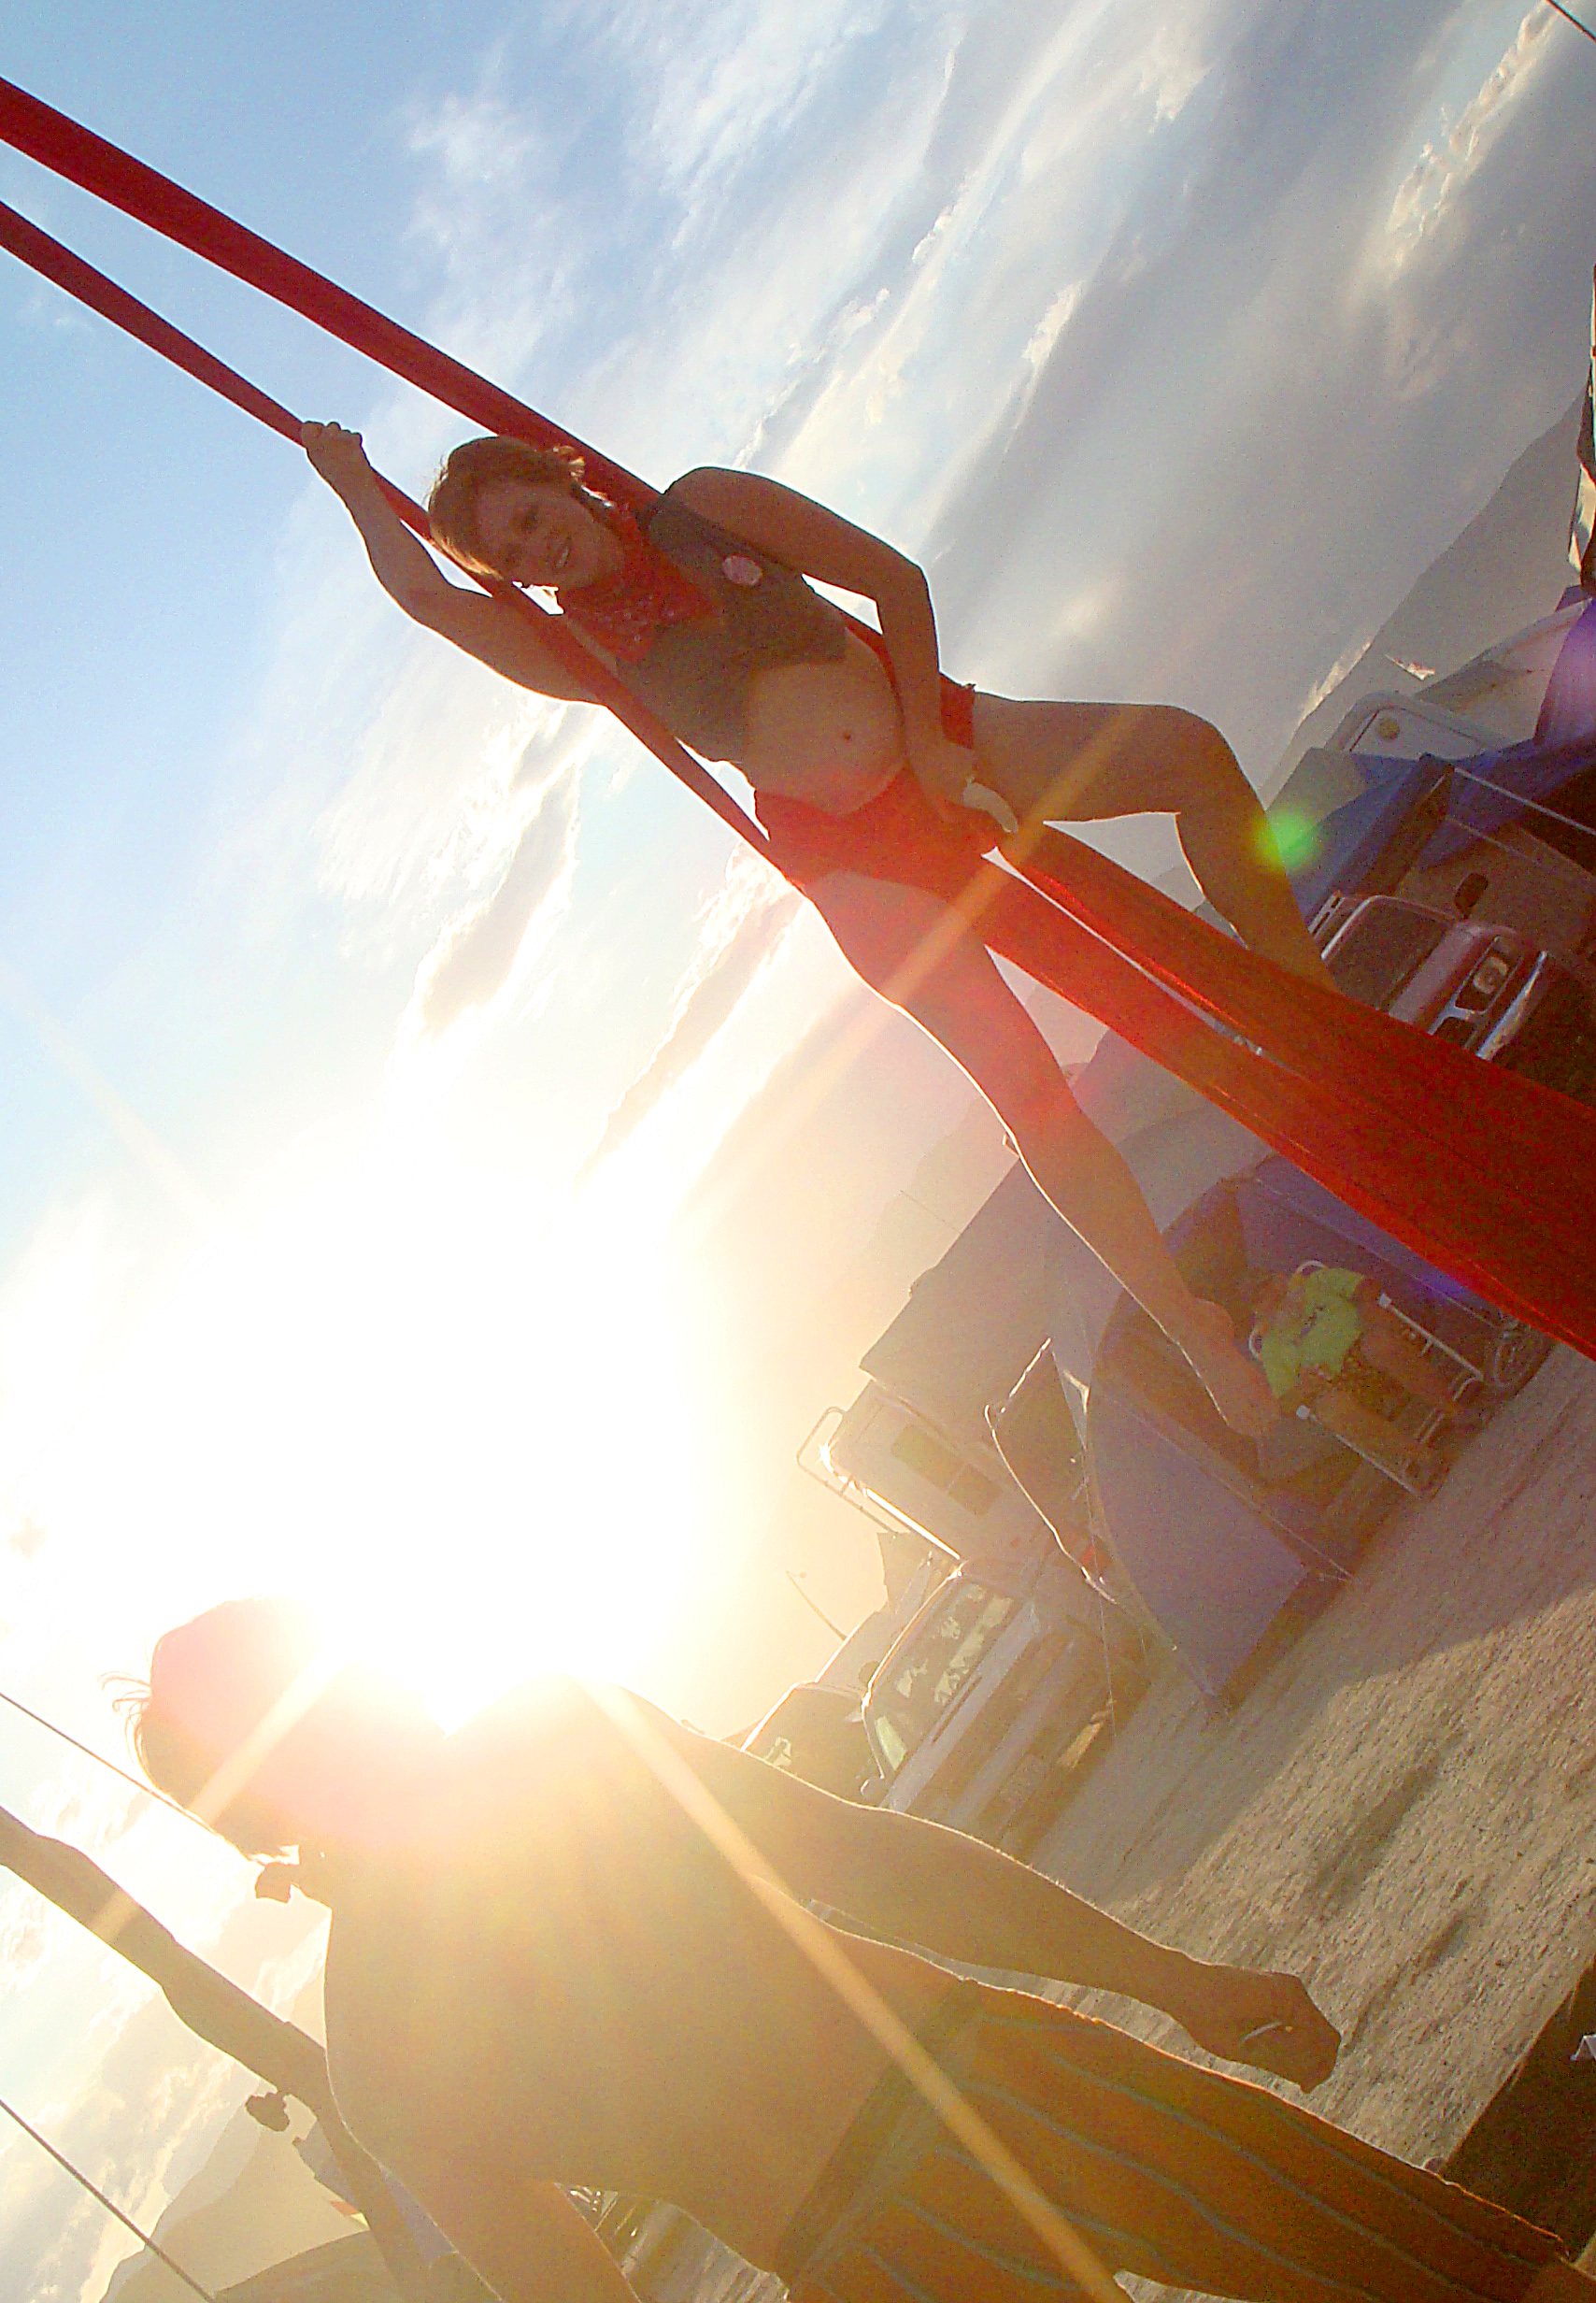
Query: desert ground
(1402, 1808)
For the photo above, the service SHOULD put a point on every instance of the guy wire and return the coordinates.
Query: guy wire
(109, 2205)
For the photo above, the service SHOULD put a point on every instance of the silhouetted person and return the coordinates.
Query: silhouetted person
(544, 1971)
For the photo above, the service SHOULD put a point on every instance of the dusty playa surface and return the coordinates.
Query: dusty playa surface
(1404, 1809)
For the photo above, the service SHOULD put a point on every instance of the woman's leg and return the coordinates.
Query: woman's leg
(913, 948)
(1084, 763)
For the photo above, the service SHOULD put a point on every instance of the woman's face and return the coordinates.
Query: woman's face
(543, 535)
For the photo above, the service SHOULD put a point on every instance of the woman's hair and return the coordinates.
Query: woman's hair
(476, 465)
(213, 1684)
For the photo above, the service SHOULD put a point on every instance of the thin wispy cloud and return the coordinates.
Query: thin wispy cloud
(1445, 167)
(158, 2089)
(477, 953)
(1335, 428)
(744, 930)
(26, 1537)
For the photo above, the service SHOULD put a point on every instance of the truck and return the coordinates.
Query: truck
(1486, 990)
(818, 1734)
(987, 1705)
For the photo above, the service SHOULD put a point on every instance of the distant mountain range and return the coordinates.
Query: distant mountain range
(1509, 567)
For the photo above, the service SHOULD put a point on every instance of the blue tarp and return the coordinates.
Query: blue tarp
(1346, 843)
(1568, 709)
(1489, 791)
(1207, 1563)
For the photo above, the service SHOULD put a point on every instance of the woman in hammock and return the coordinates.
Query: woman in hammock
(855, 751)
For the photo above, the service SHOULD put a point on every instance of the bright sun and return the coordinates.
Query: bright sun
(453, 1422)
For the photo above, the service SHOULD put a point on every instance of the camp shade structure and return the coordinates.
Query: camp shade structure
(1481, 1172)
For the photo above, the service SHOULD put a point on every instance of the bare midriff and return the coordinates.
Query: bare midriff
(831, 735)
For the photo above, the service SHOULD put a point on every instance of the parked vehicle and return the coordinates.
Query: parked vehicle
(983, 1708)
(817, 1733)
(1485, 989)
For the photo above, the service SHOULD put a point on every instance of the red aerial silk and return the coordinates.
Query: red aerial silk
(1479, 1171)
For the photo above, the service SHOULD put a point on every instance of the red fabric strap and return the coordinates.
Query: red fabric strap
(100, 167)
(1481, 1173)
(1476, 1170)
(55, 263)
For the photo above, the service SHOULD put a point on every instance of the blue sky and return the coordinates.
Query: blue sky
(1177, 338)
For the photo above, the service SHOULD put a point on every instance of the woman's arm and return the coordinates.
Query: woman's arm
(795, 528)
(496, 633)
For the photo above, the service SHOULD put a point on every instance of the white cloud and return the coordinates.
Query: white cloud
(1176, 64)
(158, 2088)
(1332, 678)
(1054, 321)
(478, 949)
(719, 83)
(1446, 167)
(29, 1932)
(487, 210)
(743, 930)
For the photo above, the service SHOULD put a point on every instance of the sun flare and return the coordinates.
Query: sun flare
(450, 1417)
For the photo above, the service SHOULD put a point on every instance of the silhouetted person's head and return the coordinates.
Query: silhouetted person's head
(1267, 1295)
(248, 1722)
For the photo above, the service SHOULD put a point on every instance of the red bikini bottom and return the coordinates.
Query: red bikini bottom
(884, 836)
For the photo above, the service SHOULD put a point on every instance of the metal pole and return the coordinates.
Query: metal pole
(123, 1774)
(1567, 19)
(813, 1605)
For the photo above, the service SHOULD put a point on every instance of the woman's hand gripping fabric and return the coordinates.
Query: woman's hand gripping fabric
(337, 454)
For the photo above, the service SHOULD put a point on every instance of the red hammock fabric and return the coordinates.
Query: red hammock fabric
(1481, 1172)
(1429, 1144)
